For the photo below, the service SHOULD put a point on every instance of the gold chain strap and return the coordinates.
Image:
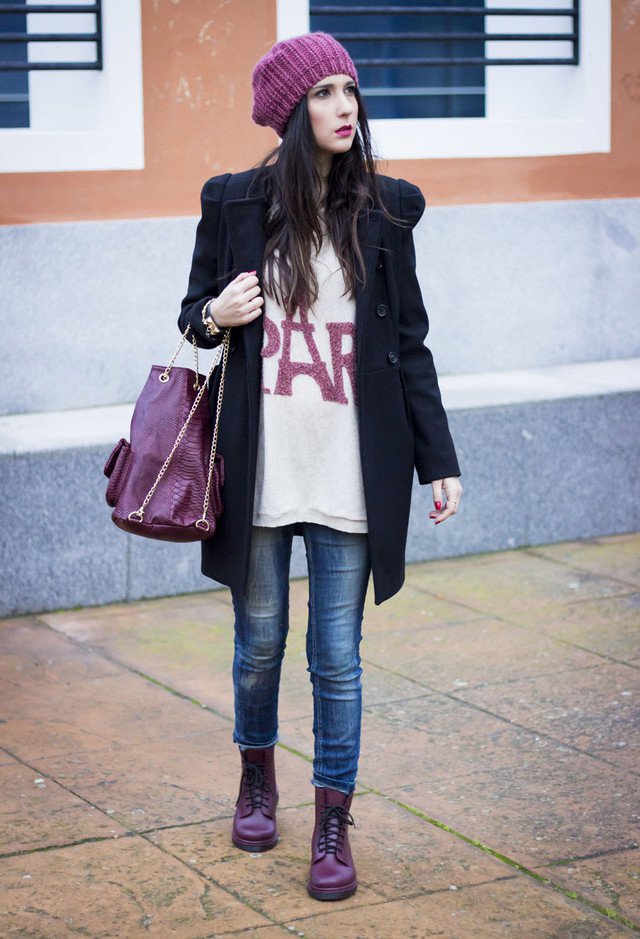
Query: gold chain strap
(139, 513)
(165, 375)
(196, 363)
(214, 436)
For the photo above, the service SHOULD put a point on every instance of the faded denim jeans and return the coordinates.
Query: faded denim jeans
(339, 567)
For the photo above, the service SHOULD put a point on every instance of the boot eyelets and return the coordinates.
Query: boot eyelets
(332, 874)
(254, 824)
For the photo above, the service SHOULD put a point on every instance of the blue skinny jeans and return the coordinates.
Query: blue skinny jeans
(339, 567)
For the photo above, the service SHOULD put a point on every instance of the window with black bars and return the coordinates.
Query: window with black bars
(15, 39)
(422, 59)
(14, 83)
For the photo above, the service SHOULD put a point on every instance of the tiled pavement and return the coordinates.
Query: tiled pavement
(499, 772)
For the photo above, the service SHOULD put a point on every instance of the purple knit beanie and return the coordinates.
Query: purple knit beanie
(289, 70)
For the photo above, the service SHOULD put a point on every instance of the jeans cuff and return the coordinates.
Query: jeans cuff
(256, 746)
(323, 782)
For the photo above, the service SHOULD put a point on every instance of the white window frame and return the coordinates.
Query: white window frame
(537, 110)
(82, 120)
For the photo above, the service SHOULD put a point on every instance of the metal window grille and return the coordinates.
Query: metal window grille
(14, 85)
(19, 38)
(428, 59)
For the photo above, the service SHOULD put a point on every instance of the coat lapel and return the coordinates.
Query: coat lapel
(245, 224)
(369, 235)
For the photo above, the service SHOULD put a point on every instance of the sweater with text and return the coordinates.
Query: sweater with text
(309, 466)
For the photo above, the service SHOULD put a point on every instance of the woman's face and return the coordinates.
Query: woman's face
(332, 104)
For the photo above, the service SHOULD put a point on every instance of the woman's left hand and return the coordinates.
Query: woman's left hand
(452, 489)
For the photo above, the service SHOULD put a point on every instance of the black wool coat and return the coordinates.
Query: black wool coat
(402, 423)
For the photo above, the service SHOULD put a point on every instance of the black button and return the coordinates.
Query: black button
(378, 265)
(232, 347)
(382, 309)
(393, 358)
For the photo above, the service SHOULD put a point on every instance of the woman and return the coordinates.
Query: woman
(331, 400)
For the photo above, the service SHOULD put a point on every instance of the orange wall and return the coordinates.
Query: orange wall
(197, 62)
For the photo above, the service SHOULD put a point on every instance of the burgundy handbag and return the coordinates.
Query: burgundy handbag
(166, 484)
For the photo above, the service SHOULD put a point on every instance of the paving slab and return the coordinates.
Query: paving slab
(512, 580)
(612, 881)
(378, 685)
(615, 556)
(209, 608)
(274, 881)
(124, 887)
(478, 652)
(176, 781)
(5, 758)
(180, 780)
(409, 609)
(93, 714)
(31, 649)
(596, 710)
(609, 627)
(428, 738)
(264, 932)
(189, 646)
(554, 805)
(190, 660)
(187, 665)
(396, 854)
(518, 792)
(514, 906)
(38, 812)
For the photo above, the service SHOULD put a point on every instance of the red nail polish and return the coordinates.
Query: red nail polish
(438, 504)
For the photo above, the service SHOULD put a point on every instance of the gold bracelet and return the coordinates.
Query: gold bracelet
(210, 326)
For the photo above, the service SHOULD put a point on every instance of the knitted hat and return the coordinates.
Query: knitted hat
(289, 70)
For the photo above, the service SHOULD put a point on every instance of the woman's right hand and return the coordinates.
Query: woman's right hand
(239, 303)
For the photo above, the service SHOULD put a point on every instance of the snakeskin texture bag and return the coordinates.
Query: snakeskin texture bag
(167, 482)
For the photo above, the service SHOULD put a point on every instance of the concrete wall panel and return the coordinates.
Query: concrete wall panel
(90, 306)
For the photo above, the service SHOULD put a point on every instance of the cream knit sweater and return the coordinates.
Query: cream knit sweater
(309, 466)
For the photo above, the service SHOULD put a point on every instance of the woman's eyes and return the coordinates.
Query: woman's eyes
(322, 90)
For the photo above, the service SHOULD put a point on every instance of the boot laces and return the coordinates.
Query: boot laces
(332, 828)
(256, 785)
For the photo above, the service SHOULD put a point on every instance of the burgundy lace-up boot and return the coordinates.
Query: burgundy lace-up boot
(332, 874)
(254, 824)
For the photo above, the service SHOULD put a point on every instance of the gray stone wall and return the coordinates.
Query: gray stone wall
(88, 306)
(533, 472)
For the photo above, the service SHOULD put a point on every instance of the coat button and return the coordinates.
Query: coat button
(393, 358)
(379, 265)
(382, 309)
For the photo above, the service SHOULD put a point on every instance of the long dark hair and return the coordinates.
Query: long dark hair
(293, 188)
